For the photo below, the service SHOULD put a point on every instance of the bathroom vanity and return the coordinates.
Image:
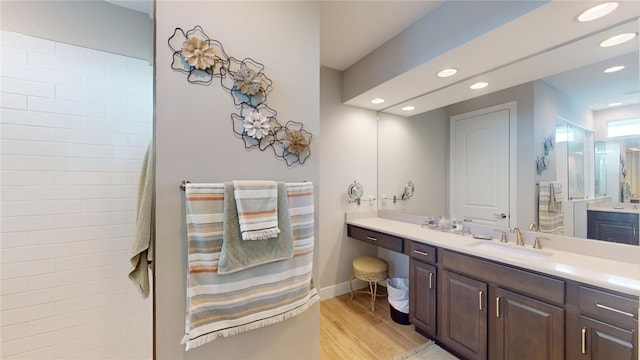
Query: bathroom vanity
(615, 225)
(484, 299)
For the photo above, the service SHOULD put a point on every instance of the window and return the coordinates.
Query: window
(624, 127)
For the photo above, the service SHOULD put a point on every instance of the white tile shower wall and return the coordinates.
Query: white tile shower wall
(75, 124)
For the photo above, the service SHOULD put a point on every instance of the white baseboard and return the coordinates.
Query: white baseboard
(339, 289)
(343, 288)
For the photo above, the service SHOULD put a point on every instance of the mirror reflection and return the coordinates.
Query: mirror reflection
(596, 156)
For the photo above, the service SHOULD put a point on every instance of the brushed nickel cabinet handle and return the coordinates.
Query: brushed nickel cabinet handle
(430, 280)
(583, 341)
(421, 252)
(480, 299)
(614, 310)
(498, 306)
(371, 238)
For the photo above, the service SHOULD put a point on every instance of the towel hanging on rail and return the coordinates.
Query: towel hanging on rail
(141, 252)
(550, 214)
(237, 254)
(229, 304)
(257, 206)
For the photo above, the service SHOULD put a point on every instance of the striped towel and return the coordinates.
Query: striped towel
(550, 214)
(224, 305)
(257, 203)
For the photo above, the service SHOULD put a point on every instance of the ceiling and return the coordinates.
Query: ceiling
(543, 39)
(143, 6)
(351, 30)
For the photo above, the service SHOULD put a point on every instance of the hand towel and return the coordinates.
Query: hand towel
(550, 214)
(141, 253)
(555, 196)
(237, 254)
(257, 203)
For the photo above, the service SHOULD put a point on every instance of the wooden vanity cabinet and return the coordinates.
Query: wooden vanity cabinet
(607, 325)
(463, 315)
(527, 328)
(481, 309)
(423, 288)
(376, 238)
(495, 311)
(611, 226)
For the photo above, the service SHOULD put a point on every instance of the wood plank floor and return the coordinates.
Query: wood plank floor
(349, 330)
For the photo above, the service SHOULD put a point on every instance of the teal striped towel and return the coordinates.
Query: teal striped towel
(257, 203)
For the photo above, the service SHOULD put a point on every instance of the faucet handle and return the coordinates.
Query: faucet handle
(538, 243)
(503, 236)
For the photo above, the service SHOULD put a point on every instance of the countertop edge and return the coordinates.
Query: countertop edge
(618, 277)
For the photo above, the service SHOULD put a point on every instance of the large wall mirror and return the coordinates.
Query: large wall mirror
(597, 168)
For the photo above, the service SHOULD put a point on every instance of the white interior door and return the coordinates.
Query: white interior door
(480, 172)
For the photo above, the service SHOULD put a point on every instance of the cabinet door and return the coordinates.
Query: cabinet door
(422, 300)
(464, 315)
(602, 341)
(620, 233)
(527, 328)
(613, 226)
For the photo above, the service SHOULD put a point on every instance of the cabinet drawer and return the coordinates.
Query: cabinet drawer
(423, 252)
(525, 282)
(390, 242)
(608, 307)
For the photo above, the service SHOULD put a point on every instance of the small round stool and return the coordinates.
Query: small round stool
(371, 270)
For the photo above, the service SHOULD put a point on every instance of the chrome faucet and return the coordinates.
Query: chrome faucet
(519, 239)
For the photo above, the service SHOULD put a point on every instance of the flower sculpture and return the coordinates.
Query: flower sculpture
(202, 59)
(296, 143)
(198, 56)
(198, 53)
(248, 80)
(256, 125)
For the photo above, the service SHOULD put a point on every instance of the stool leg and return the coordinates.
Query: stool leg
(351, 286)
(373, 296)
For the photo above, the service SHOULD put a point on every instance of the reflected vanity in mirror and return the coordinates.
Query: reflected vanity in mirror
(614, 216)
(599, 170)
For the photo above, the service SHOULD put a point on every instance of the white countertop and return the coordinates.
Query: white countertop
(606, 273)
(614, 207)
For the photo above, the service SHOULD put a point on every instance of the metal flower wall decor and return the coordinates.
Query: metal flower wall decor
(542, 162)
(202, 59)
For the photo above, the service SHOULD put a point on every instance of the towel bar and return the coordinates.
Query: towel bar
(183, 184)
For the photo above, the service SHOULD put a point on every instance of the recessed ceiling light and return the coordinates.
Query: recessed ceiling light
(377, 101)
(598, 11)
(618, 39)
(613, 69)
(479, 85)
(447, 72)
(614, 104)
(409, 108)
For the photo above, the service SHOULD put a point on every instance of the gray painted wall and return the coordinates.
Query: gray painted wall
(348, 154)
(195, 141)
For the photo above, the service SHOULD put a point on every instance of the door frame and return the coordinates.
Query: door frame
(513, 154)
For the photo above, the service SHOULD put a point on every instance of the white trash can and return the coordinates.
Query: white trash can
(398, 290)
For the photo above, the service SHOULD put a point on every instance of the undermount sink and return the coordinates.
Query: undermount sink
(510, 251)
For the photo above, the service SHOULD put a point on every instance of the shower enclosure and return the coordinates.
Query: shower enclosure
(75, 123)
